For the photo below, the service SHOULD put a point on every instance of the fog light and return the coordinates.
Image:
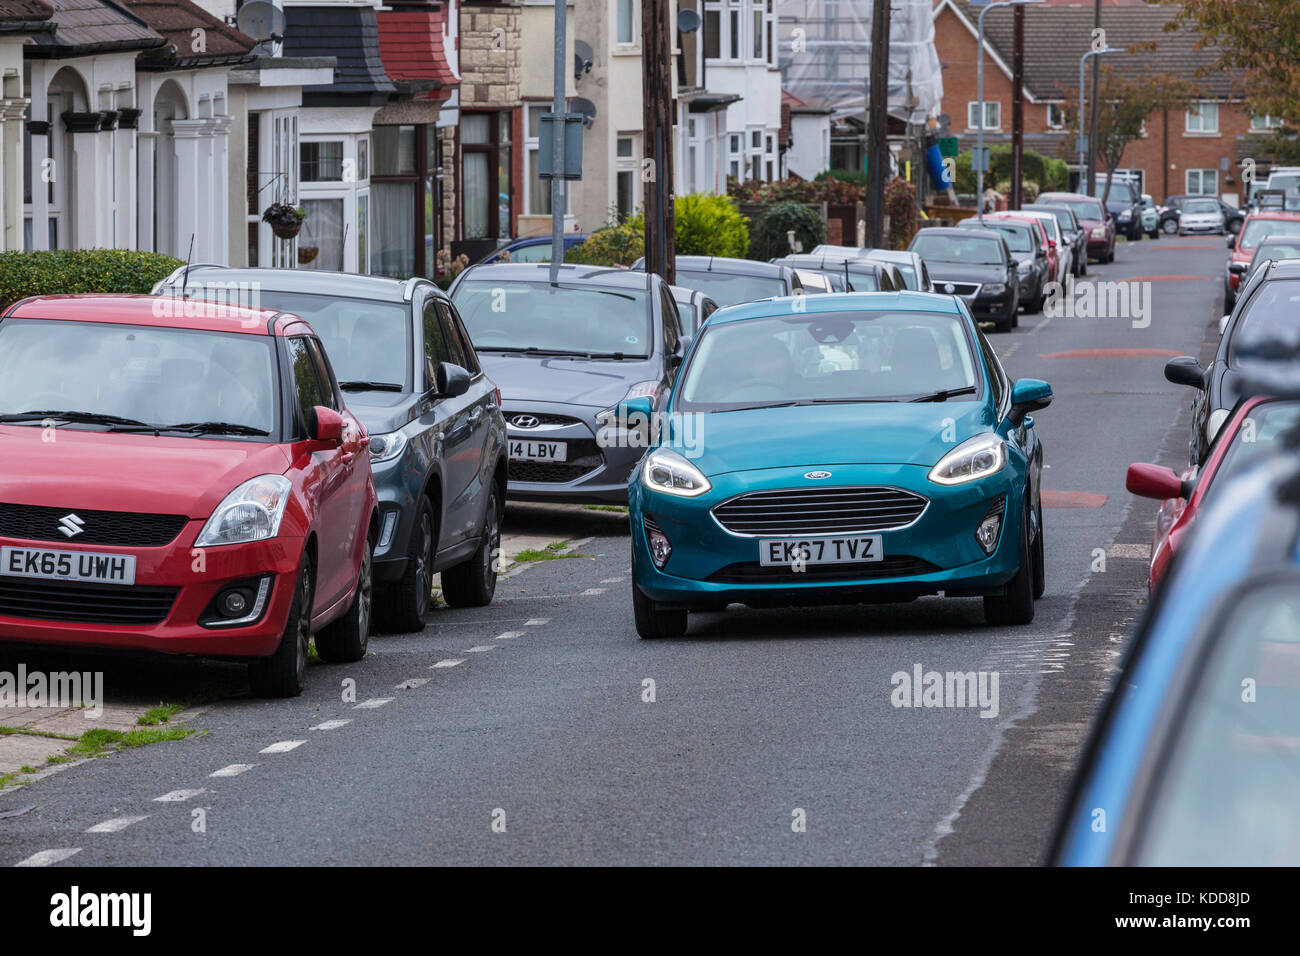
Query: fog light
(990, 526)
(660, 547)
(233, 603)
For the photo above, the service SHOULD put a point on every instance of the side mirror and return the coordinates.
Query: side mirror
(1153, 481)
(1028, 395)
(1232, 241)
(1185, 370)
(1223, 324)
(683, 346)
(451, 380)
(324, 424)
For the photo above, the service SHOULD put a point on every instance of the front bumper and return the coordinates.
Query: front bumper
(993, 308)
(196, 580)
(1186, 226)
(1099, 245)
(707, 560)
(593, 473)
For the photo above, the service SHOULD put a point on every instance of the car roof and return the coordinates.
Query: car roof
(962, 231)
(347, 284)
(840, 302)
(1283, 269)
(1071, 196)
(830, 262)
(1273, 214)
(568, 272)
(154, 311)
(730, 266)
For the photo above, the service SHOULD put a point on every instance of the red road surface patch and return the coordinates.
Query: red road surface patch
(1112, 353)
(1072, 499)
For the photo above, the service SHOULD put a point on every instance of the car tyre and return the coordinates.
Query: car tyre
(284, 673)
(654, 621)
(1016, 604)
(404, 605)
(345, 640)
(473, 582)
(1170, 227)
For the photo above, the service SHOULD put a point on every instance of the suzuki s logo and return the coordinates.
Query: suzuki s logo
(817, 475)
(525, 421)
(71, 525)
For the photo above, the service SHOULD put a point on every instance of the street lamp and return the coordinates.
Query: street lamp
(1085, 188)
(979, 95)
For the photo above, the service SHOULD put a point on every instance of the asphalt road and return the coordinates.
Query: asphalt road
(771, 736)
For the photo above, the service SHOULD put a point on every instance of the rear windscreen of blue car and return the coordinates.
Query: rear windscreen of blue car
(366, 341)
(827, 357)
(583, 319)
(730, 289)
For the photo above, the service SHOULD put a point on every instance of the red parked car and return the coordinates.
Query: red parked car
(182, 483)
(1250, 433)
(1268, 222)
(1097, 224)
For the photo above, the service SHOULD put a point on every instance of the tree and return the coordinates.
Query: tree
(1126, 103)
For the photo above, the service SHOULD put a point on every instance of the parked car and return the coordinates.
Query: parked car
(532, 249)
(693, 307)
(1060, 250)
(729, 281)
(1097, 222)
(975, 265)
(438, 441)
(775, 509)
(1232, 218)
(1074, 233)
(1201, 214)
(1270, 305)
(206, 490)
(1124, 204)
(1250, 433)
(564, 355)
(1150, 217)
(1027, 244)
(1272, 249)
(910, 266)
(1285, 178)
(1269, 222)
(863, 274)
(820, 282)
(1192, 761)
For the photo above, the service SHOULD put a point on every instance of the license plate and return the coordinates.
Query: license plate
(67, 565)
(782, 552)
(538, 450)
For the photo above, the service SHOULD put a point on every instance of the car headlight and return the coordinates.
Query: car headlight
(387, 447)
(975, 458)
(1126, 215)
(994, 288)
(252, 512)
(665, 470)
(1099, 232)
(1214, 423)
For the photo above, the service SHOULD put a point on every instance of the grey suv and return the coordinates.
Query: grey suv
(438, 445)
(565, 355)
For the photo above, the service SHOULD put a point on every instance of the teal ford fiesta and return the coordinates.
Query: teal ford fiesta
(836, 449)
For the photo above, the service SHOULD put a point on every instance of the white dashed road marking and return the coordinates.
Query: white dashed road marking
(411, 683)
(234, 770)
(449, 662)
(612, 580)
(116, 825)
(373, 703)
(592, 592)
(332, 724)
(536, 621)
(282, 746)
(46, 857)
(477, 649)
(176, 796)
(508, 635)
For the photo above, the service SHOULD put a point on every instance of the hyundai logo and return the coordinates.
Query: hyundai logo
(71, 525)
(817, 475)
(949, 288)
(525, 421)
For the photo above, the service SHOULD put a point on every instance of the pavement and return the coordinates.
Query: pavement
(541, 730)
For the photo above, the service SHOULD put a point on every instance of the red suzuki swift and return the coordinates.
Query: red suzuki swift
(180, 482)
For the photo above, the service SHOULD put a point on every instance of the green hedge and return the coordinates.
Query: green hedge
(83, 270)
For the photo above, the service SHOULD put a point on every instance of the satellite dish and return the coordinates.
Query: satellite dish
(688, 21)
(584, 107)
(260, 20)
(582, 59)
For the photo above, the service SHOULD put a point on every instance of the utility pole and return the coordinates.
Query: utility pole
(877, 120)
(1086, 186)
(657, 138)
(557, 143)
(1017, 105)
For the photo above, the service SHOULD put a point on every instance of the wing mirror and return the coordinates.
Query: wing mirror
(324, 424)
(1185, 370)
(1028, 395)
(451, 380)
(1153, 481)
(1223, 323)
(683, 346)
(1232, 241)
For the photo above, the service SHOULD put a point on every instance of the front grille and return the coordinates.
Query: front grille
(958, 288)
(542, 419)
(809, 511)
(584, 458)
(894, 566)
(83, 603)
(122, 528)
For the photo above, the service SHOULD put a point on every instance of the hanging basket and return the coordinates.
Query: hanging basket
(286, 230)
(307, 254)
(285, 219)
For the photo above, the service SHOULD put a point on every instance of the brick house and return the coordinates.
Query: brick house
(1197, 150)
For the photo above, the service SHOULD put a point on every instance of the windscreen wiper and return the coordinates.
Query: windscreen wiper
(529, 350)
(80, 418)
(750, 408)
(211, 428)
(371, 386)
(944, 394)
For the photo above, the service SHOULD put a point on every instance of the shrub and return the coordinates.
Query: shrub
(23, 274)
(707, 225)
(900, 206)
(768, 238)
(833, 188)
(854, 176)
(614, 245)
